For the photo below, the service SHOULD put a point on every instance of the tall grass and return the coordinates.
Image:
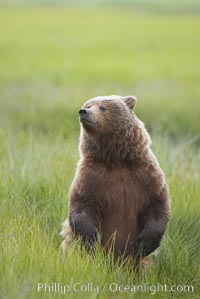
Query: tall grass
(51, 61)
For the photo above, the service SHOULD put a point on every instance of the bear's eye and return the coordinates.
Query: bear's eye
(102, 108)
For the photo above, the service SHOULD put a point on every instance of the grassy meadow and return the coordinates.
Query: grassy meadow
(52, 59)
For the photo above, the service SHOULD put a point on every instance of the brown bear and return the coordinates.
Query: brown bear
(119, 190)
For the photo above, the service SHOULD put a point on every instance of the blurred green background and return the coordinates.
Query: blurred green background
(54, 55)
(178, 6)
(54, 58)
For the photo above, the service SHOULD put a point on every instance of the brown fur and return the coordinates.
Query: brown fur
(119, 189)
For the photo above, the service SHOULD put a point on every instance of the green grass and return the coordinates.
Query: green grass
(51, 61)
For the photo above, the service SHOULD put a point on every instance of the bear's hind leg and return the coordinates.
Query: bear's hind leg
(67, 235)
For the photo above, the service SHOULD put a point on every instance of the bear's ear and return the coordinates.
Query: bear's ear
(130, 101)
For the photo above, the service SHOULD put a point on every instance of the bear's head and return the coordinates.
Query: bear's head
(110, 132)
(105, 114)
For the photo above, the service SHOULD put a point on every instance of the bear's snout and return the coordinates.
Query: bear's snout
(83, 112)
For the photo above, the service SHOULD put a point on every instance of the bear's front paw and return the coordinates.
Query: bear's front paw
(142, 247)
(89, 238)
